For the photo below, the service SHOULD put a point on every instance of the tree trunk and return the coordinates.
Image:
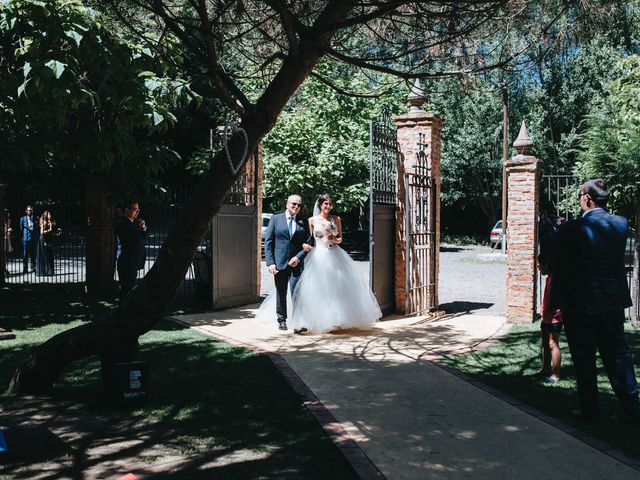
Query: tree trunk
(100, 256)
(115, 336)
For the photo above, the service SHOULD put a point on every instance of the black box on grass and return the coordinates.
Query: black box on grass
(129, 381)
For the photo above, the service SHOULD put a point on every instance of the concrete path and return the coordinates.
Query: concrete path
(412, 418)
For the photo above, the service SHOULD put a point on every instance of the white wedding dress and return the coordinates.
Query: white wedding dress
(331, 294)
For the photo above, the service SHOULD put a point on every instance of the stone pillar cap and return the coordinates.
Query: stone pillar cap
(416, 96)
(523, 143)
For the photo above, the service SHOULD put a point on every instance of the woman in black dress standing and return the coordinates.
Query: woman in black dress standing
(44, 252)
(8, 247)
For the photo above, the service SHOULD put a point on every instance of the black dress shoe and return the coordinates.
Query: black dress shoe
(282, 326)
(300, 330)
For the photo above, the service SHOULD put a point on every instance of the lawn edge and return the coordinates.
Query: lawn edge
(359, 461)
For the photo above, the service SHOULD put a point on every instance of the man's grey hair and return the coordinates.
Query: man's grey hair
(597, 190)
(294, 196)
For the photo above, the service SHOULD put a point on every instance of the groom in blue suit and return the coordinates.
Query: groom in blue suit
(590, 288)
(284, 252)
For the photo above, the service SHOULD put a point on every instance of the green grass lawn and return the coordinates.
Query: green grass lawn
(508, 366)
(205, 395)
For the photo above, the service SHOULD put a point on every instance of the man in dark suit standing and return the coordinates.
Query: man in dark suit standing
(131, 232)
(590, 287)
(284, 252)
(29, 231)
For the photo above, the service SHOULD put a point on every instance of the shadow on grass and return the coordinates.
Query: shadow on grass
(26, 306)
(214, 410)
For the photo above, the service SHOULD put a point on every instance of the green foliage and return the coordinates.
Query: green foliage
(76, 98)
(552, 95)
(321, 141)
(471, 147)
(609, 144)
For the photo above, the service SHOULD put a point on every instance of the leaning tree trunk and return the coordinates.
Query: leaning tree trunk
(115, 336)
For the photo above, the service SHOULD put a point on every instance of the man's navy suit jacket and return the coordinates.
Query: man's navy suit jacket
(131, 238)
(28, 235)
(588, 264)
(280, 246)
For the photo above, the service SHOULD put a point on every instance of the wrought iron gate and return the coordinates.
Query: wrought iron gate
(420, 232)
(558, 196)
(383, 156)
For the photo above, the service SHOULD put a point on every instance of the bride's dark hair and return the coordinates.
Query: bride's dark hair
(323, 198)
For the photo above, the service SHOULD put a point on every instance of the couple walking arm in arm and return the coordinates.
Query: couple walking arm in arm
(327, 291)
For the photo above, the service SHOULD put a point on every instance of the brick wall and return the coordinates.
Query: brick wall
(522, 237)
(259, 192)
(410, 126)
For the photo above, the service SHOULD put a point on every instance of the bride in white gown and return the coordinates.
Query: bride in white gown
(331, 295)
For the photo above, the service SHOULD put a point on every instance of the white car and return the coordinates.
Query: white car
(265, 223)
(495, 237)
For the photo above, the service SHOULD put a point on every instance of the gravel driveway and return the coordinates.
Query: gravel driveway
(472, 279)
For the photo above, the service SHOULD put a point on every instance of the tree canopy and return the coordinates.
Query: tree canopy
(75, 98)
(609, 143)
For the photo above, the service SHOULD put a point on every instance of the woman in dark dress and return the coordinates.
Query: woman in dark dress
(8, 247)
(44, 251)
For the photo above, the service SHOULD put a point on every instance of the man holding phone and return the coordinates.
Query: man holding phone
(131, 232)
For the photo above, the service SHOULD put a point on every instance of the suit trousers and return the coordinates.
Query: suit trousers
(604, 332)
(28, 252)
(127, 278)
(288, 276)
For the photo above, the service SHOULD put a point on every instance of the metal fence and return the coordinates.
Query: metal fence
(68, 246)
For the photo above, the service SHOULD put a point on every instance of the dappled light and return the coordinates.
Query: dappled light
(205, 397)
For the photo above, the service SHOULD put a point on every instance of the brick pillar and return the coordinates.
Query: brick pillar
(410, 126)
(100, 252)
(259, 176)
(523, 177)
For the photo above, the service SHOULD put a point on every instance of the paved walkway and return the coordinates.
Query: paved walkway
(412, 418)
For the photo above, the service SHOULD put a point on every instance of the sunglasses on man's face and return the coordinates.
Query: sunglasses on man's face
(295, 204)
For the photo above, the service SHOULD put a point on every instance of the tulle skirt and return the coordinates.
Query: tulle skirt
(332, 294)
